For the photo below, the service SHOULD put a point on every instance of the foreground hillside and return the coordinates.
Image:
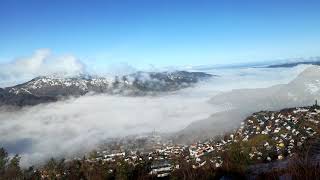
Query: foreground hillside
(268, 143)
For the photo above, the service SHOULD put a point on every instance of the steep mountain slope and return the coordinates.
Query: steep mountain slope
(48, 89)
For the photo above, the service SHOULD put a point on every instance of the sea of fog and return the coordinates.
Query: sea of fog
(79, 125)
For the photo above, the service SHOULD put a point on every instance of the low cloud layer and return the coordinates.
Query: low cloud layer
(40, 63)
(78, 125)
(303, 90)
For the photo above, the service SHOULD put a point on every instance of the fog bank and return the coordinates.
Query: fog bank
(77, 125)
(240, 103)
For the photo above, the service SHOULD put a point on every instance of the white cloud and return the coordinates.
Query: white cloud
(40, 63)
(78, 125)
(289, 90)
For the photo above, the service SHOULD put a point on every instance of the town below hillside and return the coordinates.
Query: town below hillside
(283, 143)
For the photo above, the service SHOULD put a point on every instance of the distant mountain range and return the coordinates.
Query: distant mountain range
(50, 89)
(284, 63)
(292, 64)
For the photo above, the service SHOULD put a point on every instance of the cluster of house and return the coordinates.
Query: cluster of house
(162, 158)
(275, 135)
(263, 137)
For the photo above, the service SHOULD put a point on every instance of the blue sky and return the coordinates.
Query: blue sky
(161, 32)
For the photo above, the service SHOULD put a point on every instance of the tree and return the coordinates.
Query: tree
(3, 161)
(9, 167)
(13, 170)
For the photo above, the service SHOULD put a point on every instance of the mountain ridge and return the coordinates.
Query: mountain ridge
(44, 89)
(293, 64)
